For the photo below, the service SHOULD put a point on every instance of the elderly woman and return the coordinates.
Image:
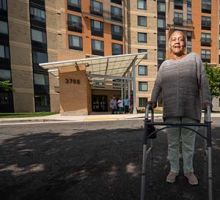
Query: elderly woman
(184, 87)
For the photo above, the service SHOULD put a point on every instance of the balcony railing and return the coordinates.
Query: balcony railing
(181, 24)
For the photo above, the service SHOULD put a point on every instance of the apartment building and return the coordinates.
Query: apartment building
(39, 31)
(200, 22)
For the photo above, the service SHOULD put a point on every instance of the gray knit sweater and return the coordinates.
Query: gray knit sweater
(184, 87)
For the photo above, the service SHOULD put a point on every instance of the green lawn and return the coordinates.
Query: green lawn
(17, 115)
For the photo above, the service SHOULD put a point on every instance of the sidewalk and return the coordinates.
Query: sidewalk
(79, 118)
(83, 118)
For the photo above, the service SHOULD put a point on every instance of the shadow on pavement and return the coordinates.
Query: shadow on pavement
(93, 165)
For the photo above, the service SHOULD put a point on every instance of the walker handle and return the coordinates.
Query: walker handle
(207, 117)
(149, 109)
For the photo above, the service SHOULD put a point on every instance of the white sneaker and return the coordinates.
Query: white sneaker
(192, 179)
(171, 177)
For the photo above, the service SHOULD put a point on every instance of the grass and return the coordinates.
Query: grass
(27, 114)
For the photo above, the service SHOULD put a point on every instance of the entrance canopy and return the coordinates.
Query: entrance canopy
(100, 68)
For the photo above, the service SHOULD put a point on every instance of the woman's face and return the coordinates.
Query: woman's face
(177, 43)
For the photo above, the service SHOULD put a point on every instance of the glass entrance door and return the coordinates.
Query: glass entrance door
(99, 103)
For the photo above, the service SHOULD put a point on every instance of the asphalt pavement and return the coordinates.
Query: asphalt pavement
(93, 158)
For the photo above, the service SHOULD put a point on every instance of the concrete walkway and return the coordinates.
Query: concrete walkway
(83, 118)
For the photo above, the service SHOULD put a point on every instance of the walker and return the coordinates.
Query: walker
(149, 131)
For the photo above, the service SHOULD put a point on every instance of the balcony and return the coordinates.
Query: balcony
(206, 41)
(75, 26)
(180, 24)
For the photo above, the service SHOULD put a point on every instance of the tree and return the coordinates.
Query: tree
(5, 85)
(213, 74)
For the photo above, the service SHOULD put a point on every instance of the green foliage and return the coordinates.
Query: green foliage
(6, 85)
(213, 74)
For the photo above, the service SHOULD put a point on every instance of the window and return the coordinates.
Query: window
(40, 79)
(161, 23)
(39, 57)
(74, 5)
(161, 7)
(116, 13)
(189, 18)
(97, 28)
(38, 36)
(38, 14)
(98, 47)
(142, 70)
(116, 32)
(4, 51)
(189, 35)
(178, 18)
(142, 102)
(142, 37)
(206, 22)
(143, 86)
(117, 49)
(189, 41)
(178, 4)
(5, 74)
(206, 39)
(142, 4)
(161, 55)
(206, 55)
(161, 39)
(189, 6)
(96, 8)
(74, 23)
(75, 42)
(206, 6)
(141, 51)
(189, 49)
(116, 1)
(142, 21)
(3, 5)
(3, 27)
(41, 101)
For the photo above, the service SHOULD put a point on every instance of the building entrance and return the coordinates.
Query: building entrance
(99, 103)
(6, 102)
